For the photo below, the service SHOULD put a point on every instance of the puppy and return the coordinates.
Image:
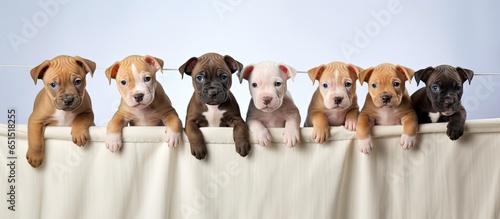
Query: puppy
(440, 100)
(143, 102)
(271, 104)
(387, 103)
(212, 103)
(335, 102)
(62, 102)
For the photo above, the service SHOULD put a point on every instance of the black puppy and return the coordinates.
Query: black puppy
(440, 100)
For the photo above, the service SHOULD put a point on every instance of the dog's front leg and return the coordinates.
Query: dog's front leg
(365, 124)
(174, 128)
(241, 136)
(80, 127)
(291, 136)
(35, 152)
(196, 140)
(410, 129)
(114, 139)
(351, 119)
(456, 126)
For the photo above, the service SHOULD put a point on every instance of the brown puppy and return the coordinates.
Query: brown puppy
(335, 102)
(63, 102)
(212, 103)
(440, 99)
(143, 103)
(387, 103)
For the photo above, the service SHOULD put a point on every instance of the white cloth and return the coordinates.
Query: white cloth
(439, 178)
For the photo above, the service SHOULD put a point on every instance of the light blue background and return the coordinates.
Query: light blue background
(302, 34)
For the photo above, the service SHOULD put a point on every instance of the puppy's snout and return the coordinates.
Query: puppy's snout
(386, 98)
(212, 92)
(448, 103)
(338, 100)
(138, 97)
(68, 99)
(267, 100)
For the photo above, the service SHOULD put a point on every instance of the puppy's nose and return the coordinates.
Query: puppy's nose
(212, 92)
(68, 99)
(338, 100)
(138, 97)
(448, 103)
(267, 100)
(386, 98)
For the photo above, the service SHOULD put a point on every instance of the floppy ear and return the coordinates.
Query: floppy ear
(154, 62)
(187, 68)
(245, 73)
(111, 71)
(364, 76)
(38, 71)
(354, 71)
(407, 72)
(87, 65)
(233, 65)
(315, 73)
(465, 74)
(423, 74)
(289, 71)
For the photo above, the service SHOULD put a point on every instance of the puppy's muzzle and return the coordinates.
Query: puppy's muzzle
(267, 100)
(337, 100)
(386, 98)
(68, 102)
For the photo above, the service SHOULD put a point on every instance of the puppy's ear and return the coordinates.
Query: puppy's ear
(38, 71)
(354, 71)
(407, 72)
(87, 65)
(365, 75)
(289, 71)
(187, 68)
(245, 73)
(465, 74)
(111, 71)
(233, 65)
(316, 72)
(154, 62)
(423, 74)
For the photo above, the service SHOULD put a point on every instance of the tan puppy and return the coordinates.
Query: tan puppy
(387, 103)
(62, 102)
(143, 103)
(335, 102)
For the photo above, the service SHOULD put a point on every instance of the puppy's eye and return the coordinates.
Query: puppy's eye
(254, 85)
(277, 84)
(223, 77)
(123, 82)
(396, 84)
(435, 88)
(325, 85)
(53, 85)
(348, 84)
(458, 88)
(77, 82)
(200, 78)
(374, 85)
(147, 79)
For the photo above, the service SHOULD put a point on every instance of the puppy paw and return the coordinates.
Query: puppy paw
(350, 124)
(262, 136)
(455, 131)
(291, 137)
(365, 145)
(320, 135)
(114, 142)
(243, 148)
(199, 150)
(407, 141)
(35, 159)
(80, 137)
(172, 138)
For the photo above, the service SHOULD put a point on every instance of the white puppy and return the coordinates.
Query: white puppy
(271, 105)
